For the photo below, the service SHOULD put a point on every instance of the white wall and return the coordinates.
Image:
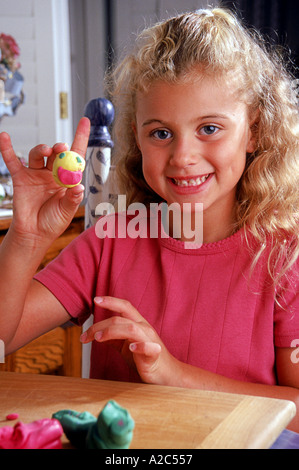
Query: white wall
(87, 33)
(41, 29)
(132, 16)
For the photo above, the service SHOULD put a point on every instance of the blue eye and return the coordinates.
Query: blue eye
(62, 155)
(78, 159)
(161, 134)
(208, 130)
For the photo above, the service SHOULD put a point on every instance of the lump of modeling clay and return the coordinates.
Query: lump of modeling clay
(75, 425)
(113, 429)
(68, 169)
(40, 434)
(12, 416)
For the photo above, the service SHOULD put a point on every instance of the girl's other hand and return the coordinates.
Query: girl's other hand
(135, 339)
(42, 209)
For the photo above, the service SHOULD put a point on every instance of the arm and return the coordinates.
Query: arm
(41, 212)
(141, 347)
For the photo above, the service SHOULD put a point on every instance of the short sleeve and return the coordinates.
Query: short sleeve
(72, 276)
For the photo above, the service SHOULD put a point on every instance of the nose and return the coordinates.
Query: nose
(184, 152)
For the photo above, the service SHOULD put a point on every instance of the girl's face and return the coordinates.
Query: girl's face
(193, 138)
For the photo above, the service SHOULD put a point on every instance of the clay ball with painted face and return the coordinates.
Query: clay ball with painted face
(68, 169)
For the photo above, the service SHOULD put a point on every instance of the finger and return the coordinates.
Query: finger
(81, 137)
(89, 334)
(121, 331)
(60, 147)
(12, 162)
(71, 200)
(121, 306)
(56, 149)
(115, 328)
(37, 154)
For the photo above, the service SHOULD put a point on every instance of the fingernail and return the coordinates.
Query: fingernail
(81, 187)
(132, 347)
(83, 336)
(98, 300)
(98, 335)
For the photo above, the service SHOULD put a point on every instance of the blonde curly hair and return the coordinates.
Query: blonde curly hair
(217, 42)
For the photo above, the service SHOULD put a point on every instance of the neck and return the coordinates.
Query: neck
(208, 226)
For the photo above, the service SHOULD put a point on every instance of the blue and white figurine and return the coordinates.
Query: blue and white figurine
(98, 178)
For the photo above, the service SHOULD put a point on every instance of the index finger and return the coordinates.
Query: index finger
(121, 306)
(12, 162)
(81, 137)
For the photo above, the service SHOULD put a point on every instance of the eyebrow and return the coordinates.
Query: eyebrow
(150, 121)
(199, 118)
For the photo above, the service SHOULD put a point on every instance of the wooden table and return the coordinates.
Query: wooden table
(165, 417)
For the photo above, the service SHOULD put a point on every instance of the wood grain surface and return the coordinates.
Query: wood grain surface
(165, 417)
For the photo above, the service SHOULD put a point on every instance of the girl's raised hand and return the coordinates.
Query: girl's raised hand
(136, 340)
(42, 209)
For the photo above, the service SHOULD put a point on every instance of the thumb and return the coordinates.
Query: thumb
(146, 348)
(72, 198)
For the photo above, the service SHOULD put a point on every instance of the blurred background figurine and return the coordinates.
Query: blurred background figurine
(11, 97)
(11, 86)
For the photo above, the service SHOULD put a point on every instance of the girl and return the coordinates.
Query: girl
(204, 115)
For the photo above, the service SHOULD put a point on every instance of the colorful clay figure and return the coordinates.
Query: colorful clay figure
(113, 429)
(68, 169)
(75, 425)
(40, 434)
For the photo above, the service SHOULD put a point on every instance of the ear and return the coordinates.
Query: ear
(134, 128)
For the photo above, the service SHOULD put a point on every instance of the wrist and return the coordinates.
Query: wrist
(27, 241)
(183, 375)
(25, 251)
(176, 374)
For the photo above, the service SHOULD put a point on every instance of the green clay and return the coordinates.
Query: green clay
(113, 429)
(75, 425)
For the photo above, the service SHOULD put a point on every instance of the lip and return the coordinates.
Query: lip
(190, 189)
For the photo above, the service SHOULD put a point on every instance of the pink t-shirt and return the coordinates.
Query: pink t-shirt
(204, 304)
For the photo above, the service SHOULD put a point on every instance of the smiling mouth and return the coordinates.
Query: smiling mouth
(69, 177)
(190, 182)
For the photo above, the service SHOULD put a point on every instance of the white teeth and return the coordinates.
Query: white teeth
(191, 182)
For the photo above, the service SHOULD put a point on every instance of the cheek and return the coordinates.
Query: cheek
(153, 174)
(149, 168)
(231, 157)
